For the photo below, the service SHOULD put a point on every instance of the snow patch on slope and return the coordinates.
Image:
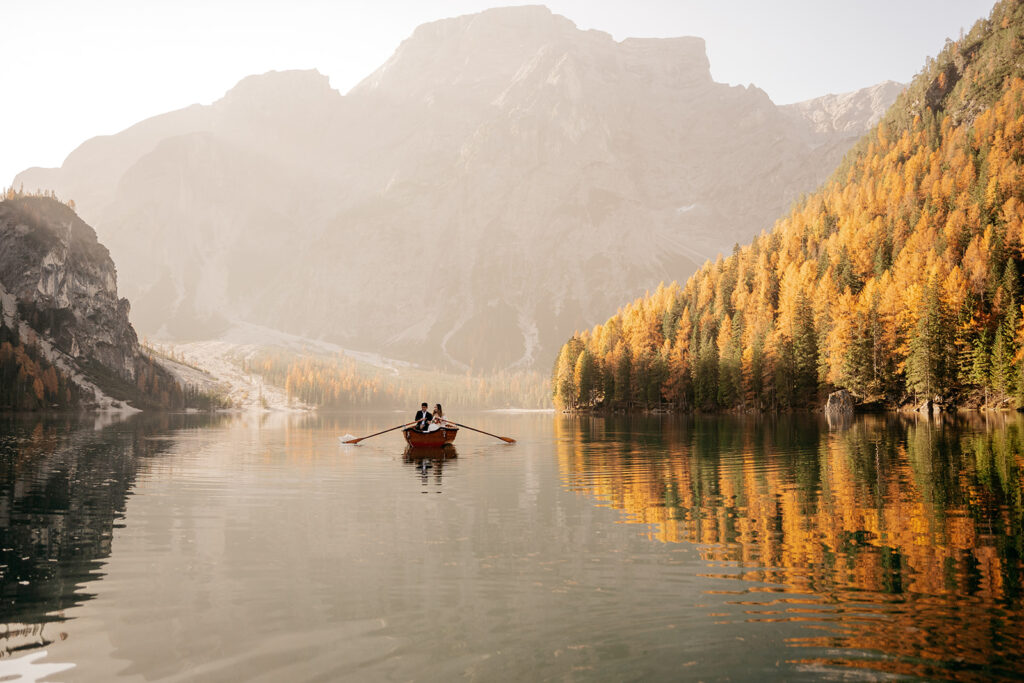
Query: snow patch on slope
(224, 359)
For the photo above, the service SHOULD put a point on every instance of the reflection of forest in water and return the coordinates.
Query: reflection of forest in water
(903, 536)
(63, 485)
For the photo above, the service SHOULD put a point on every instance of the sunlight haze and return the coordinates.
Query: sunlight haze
(76, 69)
(440, 340)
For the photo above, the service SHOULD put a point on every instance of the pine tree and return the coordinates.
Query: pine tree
(805, 350)
(845, 276)
(705, 383)
(1002, 371)
(930, 364)
(981, 363)
(1011, 282)
(585, 379)
(564, 384)
(1004, 363)
(623, 375)
(670, 319)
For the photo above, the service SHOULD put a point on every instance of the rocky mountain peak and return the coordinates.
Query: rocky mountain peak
(295, 85)
(467, 50)
(494, 45)
(851, 113)
(276, 98)
(679, 62)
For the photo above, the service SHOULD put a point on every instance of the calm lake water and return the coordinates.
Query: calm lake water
(184, 548)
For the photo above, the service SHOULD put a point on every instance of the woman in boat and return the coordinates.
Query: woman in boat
(438, 422)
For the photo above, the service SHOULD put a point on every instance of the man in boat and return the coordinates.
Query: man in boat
(423, 417)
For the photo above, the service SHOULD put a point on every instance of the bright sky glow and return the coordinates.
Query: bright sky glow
(73, 69)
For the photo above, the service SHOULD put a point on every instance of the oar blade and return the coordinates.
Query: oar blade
(355, 441)
(507, 439)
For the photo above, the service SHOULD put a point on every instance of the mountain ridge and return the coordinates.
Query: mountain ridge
(527, 184)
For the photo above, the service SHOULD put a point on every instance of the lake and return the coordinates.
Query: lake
(257, 548)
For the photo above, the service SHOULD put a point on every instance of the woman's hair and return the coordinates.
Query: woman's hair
(437, 410)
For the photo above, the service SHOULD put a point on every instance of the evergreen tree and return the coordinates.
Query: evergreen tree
(1011, 282)
(857, 366)
(670, 319)
(623, 376)
(981, 362)
(845, 275)
(930, 364)
(607, 375)
(585, 379)
(705, 380)
(805, 351)
(1004, 364)
(657, 375)
(564, 385)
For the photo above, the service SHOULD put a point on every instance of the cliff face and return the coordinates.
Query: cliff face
(502, 180)
(848, 114)
(58, 287)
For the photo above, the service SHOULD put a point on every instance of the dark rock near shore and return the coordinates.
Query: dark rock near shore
(839, 403)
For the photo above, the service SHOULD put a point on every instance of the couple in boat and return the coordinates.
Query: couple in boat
(427, 422)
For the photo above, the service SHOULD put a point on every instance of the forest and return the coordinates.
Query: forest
(340, 382)
(27, 380)
(899, 280)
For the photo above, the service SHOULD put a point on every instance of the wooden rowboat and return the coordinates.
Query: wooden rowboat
(435, 439)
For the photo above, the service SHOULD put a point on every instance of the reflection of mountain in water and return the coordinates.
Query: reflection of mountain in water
(906, 536)
(63, 487)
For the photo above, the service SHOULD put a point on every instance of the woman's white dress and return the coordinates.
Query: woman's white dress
(436, 424)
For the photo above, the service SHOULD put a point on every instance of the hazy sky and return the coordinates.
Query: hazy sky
(72, 69)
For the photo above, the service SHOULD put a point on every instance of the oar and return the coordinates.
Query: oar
(408, 424)
(503, 438)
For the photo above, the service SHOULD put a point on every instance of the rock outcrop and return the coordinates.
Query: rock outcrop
(58, 289)
(850, 114)
(502, 180)
(839, 403)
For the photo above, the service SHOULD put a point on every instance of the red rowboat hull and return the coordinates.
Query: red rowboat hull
(433, 439)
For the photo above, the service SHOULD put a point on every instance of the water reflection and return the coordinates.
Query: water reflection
(898, 541)
(63, 485)
(429, 463)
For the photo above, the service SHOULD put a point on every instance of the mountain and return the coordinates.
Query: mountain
(899, 281)
(503, 179)
(65, 339)
(848, 113)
